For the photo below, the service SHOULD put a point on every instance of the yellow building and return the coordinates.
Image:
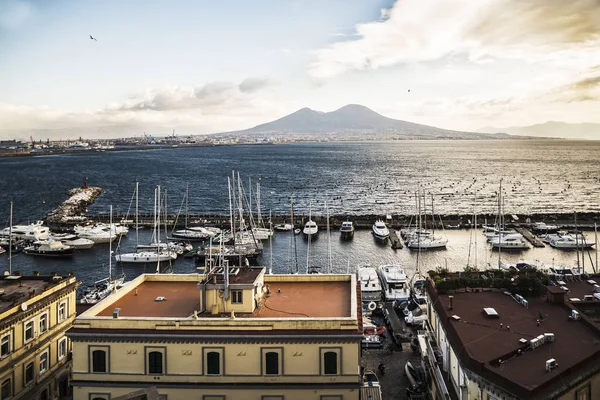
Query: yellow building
(35, 313)
(236, 335)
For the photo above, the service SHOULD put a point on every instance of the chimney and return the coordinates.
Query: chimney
(451, 298)
(116, 312)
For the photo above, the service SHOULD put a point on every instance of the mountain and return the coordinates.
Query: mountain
(553, 129)
(353, 122)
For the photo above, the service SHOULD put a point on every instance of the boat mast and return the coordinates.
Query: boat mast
(259, 215)
(137, 222)
(187, 196)
(10, 238)
(110, 248)
(158, 229)
(293, 249)
(595, 240)
(231, 219)
(309, 237)
(475, 219)
(270, 246)
(328, 240)
(500, 225)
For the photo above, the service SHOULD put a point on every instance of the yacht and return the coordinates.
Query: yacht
(311, 228)
(143, 257)
(510, 242)
(283, 227)
(97, 234)
(426, 242)
(191, 234)
(49, 248)
(31, 232)
(543, 227)
(570, 242)
(347, 230)
(394, 283)
(78, 243)
(370, 286)
(380, 230)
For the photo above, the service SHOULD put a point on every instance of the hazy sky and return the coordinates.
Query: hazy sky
(211, 66)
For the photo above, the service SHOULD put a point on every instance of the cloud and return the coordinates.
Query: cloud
(212, 107)
(13, 13)
(413, 31)
(585, 89)
(250, 85)
(212, 96)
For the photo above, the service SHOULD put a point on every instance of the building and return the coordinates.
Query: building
(239, 334)
(489, 344)
(35, 313)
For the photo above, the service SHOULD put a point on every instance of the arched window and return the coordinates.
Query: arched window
(330, 361)
(98, 361)
(6, 389)
(272, 363)
(213, 363)
(155, 362)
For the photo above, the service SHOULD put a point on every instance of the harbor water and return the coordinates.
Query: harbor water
(553, 176)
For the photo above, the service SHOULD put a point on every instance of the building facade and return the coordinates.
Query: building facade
(35, 313)
(236, 334)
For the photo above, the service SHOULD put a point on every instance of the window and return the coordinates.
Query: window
(44, 394)
(271, 360)
(99, 361)
(584, 393)
(28, 329)
(62, 311)
(213, 363)
(29, 371)
(43, 322)
(330, 363)
(95, 396)
(6, 390)
(236, 297)
(62, 348)
(155, 362)
(44, 361)
(5, 345)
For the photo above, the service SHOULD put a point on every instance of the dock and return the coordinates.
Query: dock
(395, 240)
(531, 238)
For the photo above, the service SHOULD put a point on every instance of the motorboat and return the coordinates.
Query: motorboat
(394, 283)
(370, 287)
(520, 265)
(115, 228)
(234, 254)
(191, 234)
(62, 236)
(347, 230)
(371, 342)
(425, 242)
(31, 232)
(417, 377)
(311, 228)
(143, 257)
(380, 230)
(297, 231)
(569, 241)
(101, 289)
(97, 234)
(370, 388)
(262, 233)
(543, 227)
(512, 242)
(209, 231)
(283, 227)
(177, 247)
(79, 243)
(49, 248)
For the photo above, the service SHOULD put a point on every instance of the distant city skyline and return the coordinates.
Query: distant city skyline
(209, 67)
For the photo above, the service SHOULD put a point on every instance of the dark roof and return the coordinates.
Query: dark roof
(237, 275)
(15, 290)
(488, 348)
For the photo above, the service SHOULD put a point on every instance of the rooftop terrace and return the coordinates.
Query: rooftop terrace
(490, 346)
(15, 290)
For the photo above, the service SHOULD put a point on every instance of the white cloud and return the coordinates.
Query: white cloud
(213, 107)
(564, 33)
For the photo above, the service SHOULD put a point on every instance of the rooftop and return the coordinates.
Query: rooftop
(15, 290)
(491, 347)
(293, 296)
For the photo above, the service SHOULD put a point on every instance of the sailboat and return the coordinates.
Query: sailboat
(157, 253)
(106, 286)
(188, 233)
(506, 241)
(260, 231)
(422, 238)
(310, 228)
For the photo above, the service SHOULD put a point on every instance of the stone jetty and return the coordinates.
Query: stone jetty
(72, 210)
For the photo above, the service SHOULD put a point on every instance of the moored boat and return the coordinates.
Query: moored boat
(49, 248)
(370, 287)
(347, 230)
(380, 230)
(394, 283)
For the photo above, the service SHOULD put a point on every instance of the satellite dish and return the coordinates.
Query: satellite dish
(24, 306)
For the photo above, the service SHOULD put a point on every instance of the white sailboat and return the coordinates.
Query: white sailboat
(104, 287)
(310, 228)
(158, 253)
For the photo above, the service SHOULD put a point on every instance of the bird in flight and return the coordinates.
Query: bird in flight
(93, 38)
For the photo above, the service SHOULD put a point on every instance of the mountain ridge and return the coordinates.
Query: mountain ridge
(551, 129)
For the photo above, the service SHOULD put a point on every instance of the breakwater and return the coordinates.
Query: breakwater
(73, 210)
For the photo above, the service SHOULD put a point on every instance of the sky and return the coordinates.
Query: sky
(212, 66)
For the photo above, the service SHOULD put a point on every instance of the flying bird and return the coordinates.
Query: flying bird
(93, 38)
(408, 90)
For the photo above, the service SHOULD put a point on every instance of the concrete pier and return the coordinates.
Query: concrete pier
(531, 238)
(395, 240)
